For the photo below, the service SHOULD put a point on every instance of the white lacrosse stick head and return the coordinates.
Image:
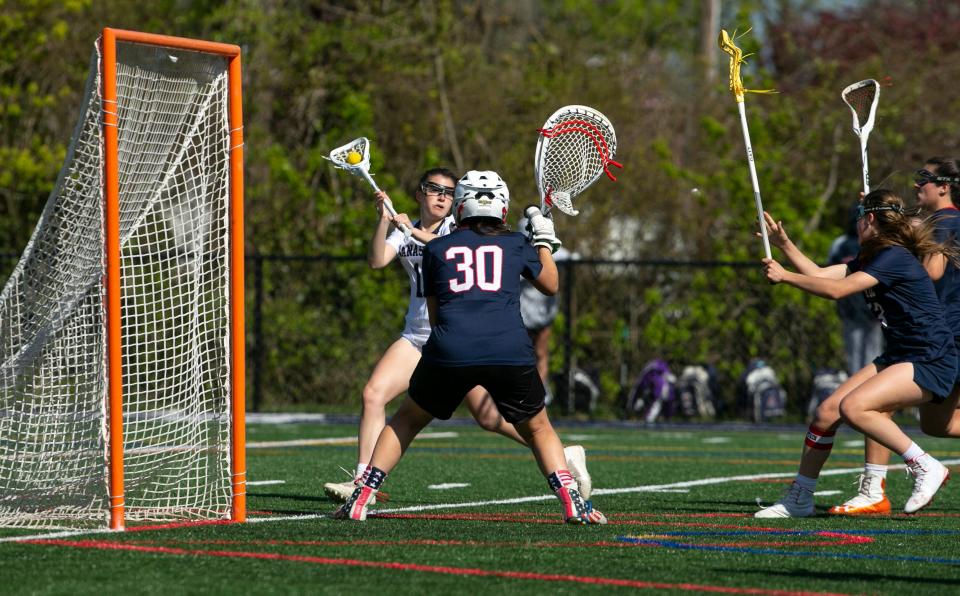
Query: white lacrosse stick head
(341, 156)
(576, 145)
(862, 98)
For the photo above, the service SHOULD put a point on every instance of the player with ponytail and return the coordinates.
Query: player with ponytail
(938, 194)
(918, 366)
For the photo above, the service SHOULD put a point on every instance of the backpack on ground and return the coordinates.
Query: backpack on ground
(586, 392)
(825, 382)
(697, 391)
(761, 394)
(654, 394)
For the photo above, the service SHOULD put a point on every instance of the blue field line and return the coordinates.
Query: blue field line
(917, 532)
(787, 553)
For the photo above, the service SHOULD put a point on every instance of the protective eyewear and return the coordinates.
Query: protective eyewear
(429, 188)
(922, 177)
(861, 211)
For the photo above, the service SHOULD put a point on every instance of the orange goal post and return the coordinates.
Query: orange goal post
(122, 326)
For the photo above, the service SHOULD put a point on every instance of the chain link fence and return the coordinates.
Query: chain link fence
(317, 326)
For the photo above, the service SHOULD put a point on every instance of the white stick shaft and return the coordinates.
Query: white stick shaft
(386, 205)
(866, 169)
(753, 179)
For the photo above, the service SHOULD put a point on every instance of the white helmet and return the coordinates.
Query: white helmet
(481, 194)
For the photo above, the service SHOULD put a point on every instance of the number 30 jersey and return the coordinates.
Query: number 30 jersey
(476, 281)
(410, 251)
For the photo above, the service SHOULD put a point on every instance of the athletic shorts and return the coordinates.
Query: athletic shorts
(936, 376)
(517, 390)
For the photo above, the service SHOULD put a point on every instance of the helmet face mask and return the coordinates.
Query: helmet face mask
(481, 193)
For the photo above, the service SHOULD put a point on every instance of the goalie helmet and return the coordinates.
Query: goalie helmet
(481, 194)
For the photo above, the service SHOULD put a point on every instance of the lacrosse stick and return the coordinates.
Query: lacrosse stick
(354, 157)
(576, 145)
(862, 98)
(736, 85)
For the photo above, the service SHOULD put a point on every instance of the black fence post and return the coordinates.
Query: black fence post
(257, 329)
(568, 276)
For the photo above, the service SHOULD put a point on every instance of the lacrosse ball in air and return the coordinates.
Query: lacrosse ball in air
(353, 158)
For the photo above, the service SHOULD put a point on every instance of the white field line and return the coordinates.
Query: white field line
(264, 482)
(336, 441)
(449, 485)
(599, 491)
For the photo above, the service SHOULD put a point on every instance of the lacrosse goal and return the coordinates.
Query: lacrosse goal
(121, 327)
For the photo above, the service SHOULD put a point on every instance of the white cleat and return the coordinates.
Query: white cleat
(929, 475)
(871, 498)
(341, 491)
(577, 464)
(796, 502)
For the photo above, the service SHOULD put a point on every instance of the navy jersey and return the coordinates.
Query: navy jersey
(852, 308)
(476, 281)
(906, 303)
(947, 230)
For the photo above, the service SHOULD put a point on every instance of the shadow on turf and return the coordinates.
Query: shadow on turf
(804, 573)
(715, 506)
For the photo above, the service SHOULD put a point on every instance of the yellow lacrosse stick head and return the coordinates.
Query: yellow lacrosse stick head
(736, 59)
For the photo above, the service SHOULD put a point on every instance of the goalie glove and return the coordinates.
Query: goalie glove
(540, 229)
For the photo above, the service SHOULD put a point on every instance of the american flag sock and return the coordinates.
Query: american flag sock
(562, 478)
(374, 477)
(565, 487)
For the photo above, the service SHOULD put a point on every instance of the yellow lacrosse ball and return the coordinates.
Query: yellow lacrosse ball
(353, 158)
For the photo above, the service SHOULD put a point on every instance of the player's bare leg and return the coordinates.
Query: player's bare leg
(797, 501)
(390, 378)
(393, 442)
(943, 419)
(549, 453)
(866, 408)
(483, 409)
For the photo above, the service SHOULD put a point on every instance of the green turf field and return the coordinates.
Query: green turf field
(679, 501)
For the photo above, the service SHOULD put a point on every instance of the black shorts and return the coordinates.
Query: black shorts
(517, 390)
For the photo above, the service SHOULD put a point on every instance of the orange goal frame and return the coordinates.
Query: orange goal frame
(112, 229)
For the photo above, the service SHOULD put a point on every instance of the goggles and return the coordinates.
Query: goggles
(922, 177)
(429, 188)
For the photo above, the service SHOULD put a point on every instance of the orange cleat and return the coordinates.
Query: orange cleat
(871, 498)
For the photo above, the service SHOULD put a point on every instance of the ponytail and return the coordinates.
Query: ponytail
(895, 227)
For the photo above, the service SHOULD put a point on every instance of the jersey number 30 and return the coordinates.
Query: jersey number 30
(481, 267)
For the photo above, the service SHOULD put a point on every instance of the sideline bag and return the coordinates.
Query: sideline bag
(697, 391)
(761, 394)
(654, 395)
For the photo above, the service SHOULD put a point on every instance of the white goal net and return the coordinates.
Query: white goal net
(174, 179)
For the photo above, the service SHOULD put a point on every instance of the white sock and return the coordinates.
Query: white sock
(875, 470)
(806, 482)
(912, 452)
(361, 468)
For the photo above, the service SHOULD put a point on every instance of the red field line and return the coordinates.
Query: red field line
(464, 571)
